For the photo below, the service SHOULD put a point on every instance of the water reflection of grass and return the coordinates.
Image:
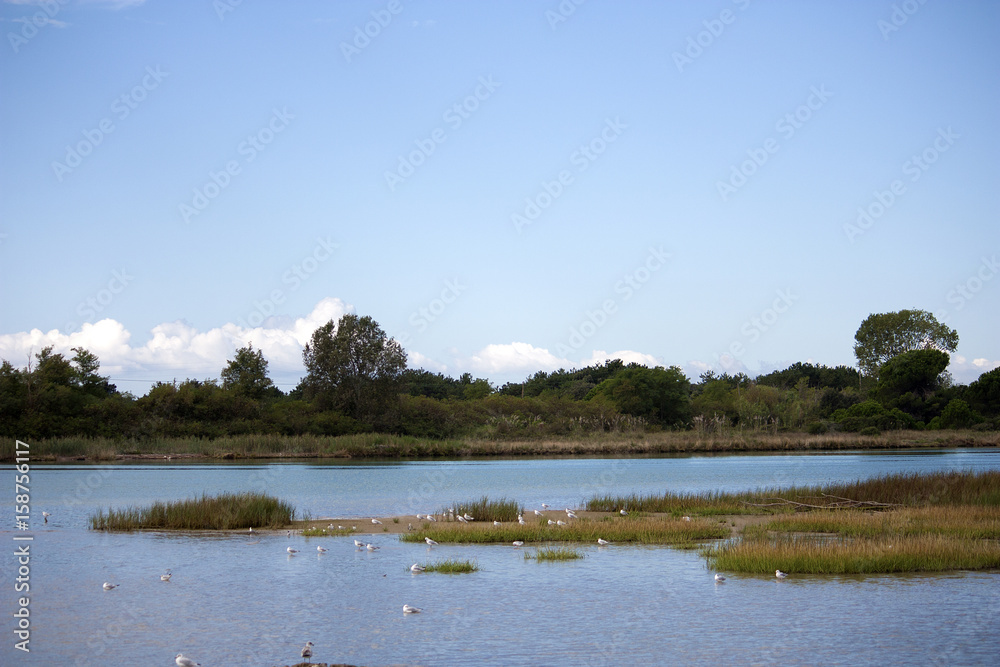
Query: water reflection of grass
(228, 511)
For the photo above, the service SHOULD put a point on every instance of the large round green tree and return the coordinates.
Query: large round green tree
(354, 367)
(883, 336)
(659, 394)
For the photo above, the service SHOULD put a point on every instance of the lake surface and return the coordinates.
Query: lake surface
(241, 600)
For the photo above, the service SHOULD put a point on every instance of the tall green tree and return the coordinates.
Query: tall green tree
(883, 336)
(354, 367)
(659, 394)
(246, 373)
(914, 372)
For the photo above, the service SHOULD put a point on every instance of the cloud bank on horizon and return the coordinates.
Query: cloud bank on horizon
(176, 350)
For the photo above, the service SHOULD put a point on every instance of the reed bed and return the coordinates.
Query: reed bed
(452, 566)
(805, 555)
(970, 522)
(377, 445)
(553, 554)
(913, 489)
(485, 509)
(224, 512)
(647, 530)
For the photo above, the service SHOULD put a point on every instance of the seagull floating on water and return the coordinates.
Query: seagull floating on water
(166, 577)
(779, 574)
(108, 586)
(602, 542)
(417, 568)
(518, 543)
(322, 550)
(371, 547)
(307, 650)
(407, 609)
(719, 577)
(292, 551)
(430, 542)
(185, 662)
(359, 543)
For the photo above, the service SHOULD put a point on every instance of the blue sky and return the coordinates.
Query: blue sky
(503, 187)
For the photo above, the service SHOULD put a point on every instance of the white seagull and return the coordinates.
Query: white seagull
(518, 543)
(407, 609)
(560, 522)
(417, 568)
(623, 512)
(371, 547)
(551, 522)
(462, 518)
(430, 542)
(544, 506)
(571, 514)
(291, 551)
(322, 550)
(166, 577)
(521, 521)
(719, 577)
(685, 518)
(430, 517)
(602, 542)
(497, 523)
(307, 650)
(185, 662)
(108, 586)
(376, 522)
(779, 574)
(419, 517)
(537, 513)
(468, 517)
(46, 516)
(359, 544)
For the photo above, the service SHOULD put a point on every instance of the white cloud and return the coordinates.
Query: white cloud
(964, 371)
(505, 358)
(627, 356)
(176, 349)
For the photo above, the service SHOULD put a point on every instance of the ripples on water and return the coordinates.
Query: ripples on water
(241, 600)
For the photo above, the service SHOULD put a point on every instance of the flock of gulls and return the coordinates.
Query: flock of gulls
(182, 661)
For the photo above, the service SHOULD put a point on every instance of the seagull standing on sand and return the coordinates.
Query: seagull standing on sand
(719, 577)
(307, 650)
(779, 574)
(430, 542)
(185, 662)
(407, 609)
(108, 586)
(376, 522)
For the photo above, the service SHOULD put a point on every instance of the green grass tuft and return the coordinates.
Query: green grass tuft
(229, 511)
(553, 554)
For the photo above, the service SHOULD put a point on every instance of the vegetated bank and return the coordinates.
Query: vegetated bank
(387, 446)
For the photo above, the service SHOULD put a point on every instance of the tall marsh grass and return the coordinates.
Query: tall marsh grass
(452, 566)
(225, 512)
(553, 554)
(485, 509)
(807, 555)
(907, 489)
(646, 530)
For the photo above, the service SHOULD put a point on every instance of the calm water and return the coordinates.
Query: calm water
(237, 600)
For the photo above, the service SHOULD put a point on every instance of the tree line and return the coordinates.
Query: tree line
(357, 381)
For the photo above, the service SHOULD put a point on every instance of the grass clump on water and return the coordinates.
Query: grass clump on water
(452, 566)
(553, 554)
(228, 511)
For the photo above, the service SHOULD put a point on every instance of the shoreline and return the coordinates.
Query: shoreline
(379, 446)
